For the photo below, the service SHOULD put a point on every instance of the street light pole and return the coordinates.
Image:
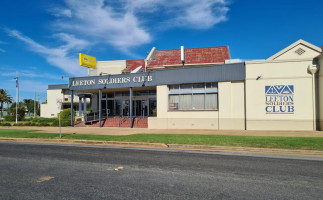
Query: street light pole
(35, 105)
(17, 96)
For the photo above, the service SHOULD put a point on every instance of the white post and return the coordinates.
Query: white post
(17, 97)
(59, 121)
(182, 55)
(59, 107)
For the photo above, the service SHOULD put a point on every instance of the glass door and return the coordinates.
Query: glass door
(110, 108)
(125, 108)
(144, 108)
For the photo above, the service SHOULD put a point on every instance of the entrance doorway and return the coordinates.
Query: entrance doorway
(118, 104)
(140, 108)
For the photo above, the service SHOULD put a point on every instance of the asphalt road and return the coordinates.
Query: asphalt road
(47, 171)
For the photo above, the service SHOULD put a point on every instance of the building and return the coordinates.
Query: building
(207, 91)
(58, 92)
(286, 94)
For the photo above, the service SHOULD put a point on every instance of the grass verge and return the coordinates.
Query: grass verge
(305, 143)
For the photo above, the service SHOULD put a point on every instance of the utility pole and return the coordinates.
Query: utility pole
(17, 96)
(35, 105)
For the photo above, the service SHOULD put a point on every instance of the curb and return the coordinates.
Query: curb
(248, 149)
(90, 142)
(174, 146)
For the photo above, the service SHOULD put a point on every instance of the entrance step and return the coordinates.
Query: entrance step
(79, 124)
(121, 122)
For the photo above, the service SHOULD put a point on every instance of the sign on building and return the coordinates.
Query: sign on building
(87, 61)
(279, 99)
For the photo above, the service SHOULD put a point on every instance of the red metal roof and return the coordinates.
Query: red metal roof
(192, 56)
(133, 64)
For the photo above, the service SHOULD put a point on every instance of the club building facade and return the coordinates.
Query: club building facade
(210, 91)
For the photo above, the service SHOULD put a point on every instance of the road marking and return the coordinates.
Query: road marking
(44, 178)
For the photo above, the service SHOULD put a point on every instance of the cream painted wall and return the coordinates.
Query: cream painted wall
(109, 67)
(49, 109)
(231, 105)
(279, 73)
(231, 116)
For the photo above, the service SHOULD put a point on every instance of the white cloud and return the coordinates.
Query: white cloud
(130, 23)
(123, 24)
(190, 14)
(72, 43)
(204, 14)
(100, 23)
(60, 12)
(58, 56)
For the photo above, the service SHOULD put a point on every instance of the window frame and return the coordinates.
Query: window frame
(178, 92)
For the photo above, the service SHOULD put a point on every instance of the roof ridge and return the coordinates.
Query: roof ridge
(135, 59)
(192, 48)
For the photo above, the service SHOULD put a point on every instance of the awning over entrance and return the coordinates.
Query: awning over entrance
(211, 73)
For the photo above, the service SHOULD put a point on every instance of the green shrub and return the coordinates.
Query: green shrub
(19, 124)
(27, 124)
(44, 120)
(79, 119)
(63, 122)
(5, 124)
(43, 124)
(28, 119)
(66, 114)
(10, 118)
(20, 111)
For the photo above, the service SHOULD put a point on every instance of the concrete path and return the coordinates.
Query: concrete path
(129, 131)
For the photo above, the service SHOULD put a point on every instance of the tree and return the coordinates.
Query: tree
(30, 106)
(4, 98)
(20, 111)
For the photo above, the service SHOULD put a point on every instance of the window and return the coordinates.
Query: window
(197, 96)
(173, 87)
(185, 102)
(198, 101)
(211, 102)
(173, 102)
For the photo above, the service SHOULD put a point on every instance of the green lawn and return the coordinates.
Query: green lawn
(309, 143)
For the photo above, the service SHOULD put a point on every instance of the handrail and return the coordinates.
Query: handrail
(124, 120)
(93, 117)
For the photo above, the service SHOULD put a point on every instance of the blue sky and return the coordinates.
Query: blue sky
(41, 39)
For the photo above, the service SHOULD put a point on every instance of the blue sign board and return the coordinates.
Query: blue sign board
(279, 99)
